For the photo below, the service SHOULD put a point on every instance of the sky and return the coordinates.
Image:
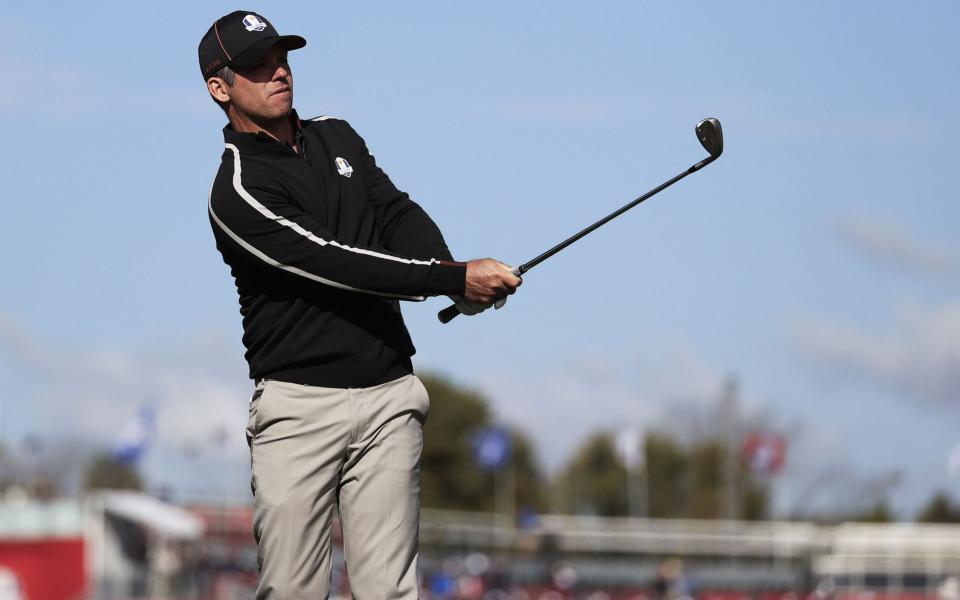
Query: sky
(816, 262)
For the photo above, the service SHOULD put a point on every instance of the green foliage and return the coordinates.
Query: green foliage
(940, 509)
(449, 478)
(879, 512)
(681, 480)
(707, 465)
(754, 498)
(595, 481)
(531, 485)
(691, 481)
(105, 473)
(667, 466)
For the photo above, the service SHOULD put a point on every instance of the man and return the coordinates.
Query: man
(322, 246)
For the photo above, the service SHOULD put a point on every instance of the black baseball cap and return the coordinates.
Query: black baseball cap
(240, 39)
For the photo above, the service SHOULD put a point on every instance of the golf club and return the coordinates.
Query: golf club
(711, 138)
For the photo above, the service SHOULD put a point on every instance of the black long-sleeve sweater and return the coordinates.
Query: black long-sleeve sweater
(321, 245)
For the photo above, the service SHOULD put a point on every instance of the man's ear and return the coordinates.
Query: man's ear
(219, 89)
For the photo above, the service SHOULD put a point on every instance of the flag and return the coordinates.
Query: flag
(953, 463)
(135, 437)
(629, 444)
(764, 452)
(491, 447)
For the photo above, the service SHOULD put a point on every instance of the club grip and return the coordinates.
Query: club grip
(448, 314)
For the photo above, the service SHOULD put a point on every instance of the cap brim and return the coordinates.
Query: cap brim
(255, 52)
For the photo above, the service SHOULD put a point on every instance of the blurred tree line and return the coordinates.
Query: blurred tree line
(678, 479)
(695, 476)
(673, 474)
(449, 475)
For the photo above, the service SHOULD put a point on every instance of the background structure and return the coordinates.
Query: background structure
(816, 264)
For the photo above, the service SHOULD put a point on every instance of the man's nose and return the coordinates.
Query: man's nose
(281, 65)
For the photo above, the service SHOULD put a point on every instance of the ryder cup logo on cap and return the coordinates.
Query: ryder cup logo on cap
(253, 23)
(239, 40)
(343, 167)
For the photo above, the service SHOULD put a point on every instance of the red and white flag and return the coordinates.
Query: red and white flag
(764, 452)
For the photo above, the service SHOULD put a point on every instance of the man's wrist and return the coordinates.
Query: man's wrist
(447, 277)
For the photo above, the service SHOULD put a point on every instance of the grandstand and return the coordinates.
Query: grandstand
(619, 557)
(893, 559)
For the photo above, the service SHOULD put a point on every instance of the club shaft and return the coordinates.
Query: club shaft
(536, 261)
(449, 313)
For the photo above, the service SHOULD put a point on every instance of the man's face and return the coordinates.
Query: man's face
(264, 91)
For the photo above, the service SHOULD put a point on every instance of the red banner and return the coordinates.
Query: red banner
(43, 569)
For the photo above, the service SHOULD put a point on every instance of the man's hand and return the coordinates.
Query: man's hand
(489, 281)
(467, 307)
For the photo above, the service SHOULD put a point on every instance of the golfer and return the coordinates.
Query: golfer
(322, 247)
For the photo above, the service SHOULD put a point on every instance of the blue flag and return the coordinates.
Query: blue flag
(491, 447)
(135, 437)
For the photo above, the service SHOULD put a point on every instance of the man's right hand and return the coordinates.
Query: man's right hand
(489, 280)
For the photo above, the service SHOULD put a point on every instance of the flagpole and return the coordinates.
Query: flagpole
(729, 406)
(628, 443)
(496, 504)
(785, 527)
(2, 443)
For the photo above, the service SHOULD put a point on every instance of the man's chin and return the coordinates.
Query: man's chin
(278, 112)
(282, 109)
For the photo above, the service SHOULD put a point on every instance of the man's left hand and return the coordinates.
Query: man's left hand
(468, 307)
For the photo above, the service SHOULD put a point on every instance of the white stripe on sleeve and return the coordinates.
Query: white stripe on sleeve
(307, 234)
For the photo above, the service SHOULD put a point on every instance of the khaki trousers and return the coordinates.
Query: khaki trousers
(312, 447)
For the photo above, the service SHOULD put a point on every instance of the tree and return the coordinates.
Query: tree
(595, 481)
(690, 480)
(531, 485)
(940, 509)
(754, 497)
(682, 480)
(708, 462)
(6, 466)
(667, 465)
(106, 473)
(879, 512)
(449, 476)
(692, 464)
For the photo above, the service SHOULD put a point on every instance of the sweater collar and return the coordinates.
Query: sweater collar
(261, 141)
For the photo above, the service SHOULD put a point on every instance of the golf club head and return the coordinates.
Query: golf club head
(710, 136)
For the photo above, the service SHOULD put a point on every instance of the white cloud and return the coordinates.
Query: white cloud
(771, 118)
(919, 357)
(47, 89)
(90, 393)
(888, 243)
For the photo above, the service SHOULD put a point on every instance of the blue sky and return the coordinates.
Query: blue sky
(817, 260)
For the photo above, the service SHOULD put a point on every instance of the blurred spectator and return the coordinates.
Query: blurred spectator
(949, 589)
(671, 582)
(10, 588)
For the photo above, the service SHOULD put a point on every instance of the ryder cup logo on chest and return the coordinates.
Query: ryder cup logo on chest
(343, 167)
(253, 23)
